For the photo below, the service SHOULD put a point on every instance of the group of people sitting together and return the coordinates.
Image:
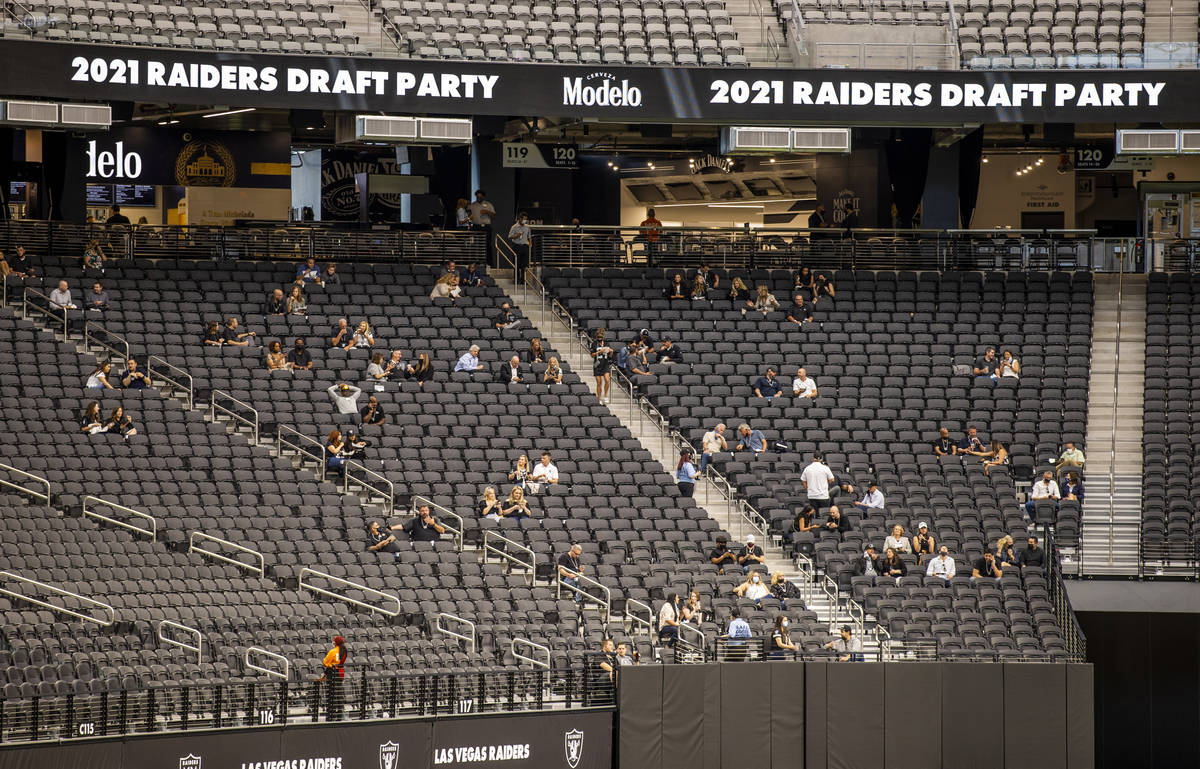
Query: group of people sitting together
(118, 422)
(308, 276)
(634, 359)
(991, 565)
(133, 378)
(527, 480)
(808, 288)
(452, 280)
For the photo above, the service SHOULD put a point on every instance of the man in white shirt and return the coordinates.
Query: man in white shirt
(713, 441)
(469, 360)
(545, 471)
(345, 397)
(816, 479)
(803, 386)
(481, 210)
(942, 566)
(1043, 490)
(873, 498)
(60, 297)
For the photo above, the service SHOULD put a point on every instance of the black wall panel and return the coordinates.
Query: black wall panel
(972, 716)
(640, 738)
(745, 715)
(682, 721)
(787, 715)
(816, 685)
(912, 704)
(1081, 717)
(854, 710)
(1035, 716)
(712, 714)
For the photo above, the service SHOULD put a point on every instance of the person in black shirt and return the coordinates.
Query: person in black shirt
(232, 336)
(116, 217)
(212, 334)
(943, 446)
(667, 352)
(822, 286)
(837, 522)
(277, 303)
(22, 264)
(134, 379)
(750, 555)
(817, 218)
(381, 540)
(372, 413)
(1032, 555)
(602, 360)
(424, 528)
(569, 569)
(505, 318)
(676, 289)
(986, 567)
(422, 371)
(299, 357)
(721, 555)
(986, 364)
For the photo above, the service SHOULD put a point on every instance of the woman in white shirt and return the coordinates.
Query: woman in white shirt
(897, 541)
(1009, 366)
(99, 378)
(362, 337)
(753, 588)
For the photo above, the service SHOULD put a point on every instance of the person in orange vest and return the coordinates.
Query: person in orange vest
(652, 224)
(335, 671)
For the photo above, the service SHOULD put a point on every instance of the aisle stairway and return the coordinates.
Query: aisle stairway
(1112, 506)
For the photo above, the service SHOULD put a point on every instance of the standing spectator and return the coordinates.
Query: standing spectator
(767, 386)
(93, 258)
(816, 219)
(686, 474)
(804, 386)
(23, 265)
(462, 214)
(116, 217)
(986, 365)
(231, 335)
(373, 414)
(381, 540)
(341, 333)
(651, 227)
(98, 299)
(668, 620)
(781, 643)
(943, 446)
(345, 397)
(847, 646)
(296, 303)
(424, 528)
(872, 499)
(942, 566)
(60, 298)
(970, 443)
(569, 569)
(308, 273)
(481, 211)
(816, 479)
(469, 361)
(736, 648)
(362, 338)
(553, 373)
(1032, 556)
(536, 352)
(750, 555)
(602, 359)
(335, 671)
(923, 544)
(606, 678)
(519, 235)
(212, 334)
(299, 357)
(1044, 489)
(1009, 366)
(897, 540)
(764, 301)
(422, 371)
(751, 440)
(545, 471)
(516, 506)
(986, 567)
(99, 378)
(510, 371)
(1072, 488)
(712, 442)
(800, 313)
(1071, 457)
(276, 359)
(277, 303)
(489, 505)
(721, 555)
(676, 289)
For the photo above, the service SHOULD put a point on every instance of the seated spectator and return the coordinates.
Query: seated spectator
(5, 269)
(516, 506)
(423, 528)
(471, 275)
(799, 313)
(1072, 488)
(134, 379)
(942, 566)
(362, 338)
(520, 473)
(299, 357)
(736, 648)
(867, 564)
(569, 569)
(489, 504)
(767, 386)
(996, 456)
(277, 303)
(356, 445)
(276, 358)
(822, 286)
(380, 540)
(784, 590)
(837, 522)
(781, 643)
(422, 371)
(345, 397)
(803, 523)
(536, 352)
(212, 334)
(98, 299)
(22, 264)
(872, 499)
(971, 443)
(119, 422)
(847, 647)
(231, 335)
(764, 301)
(691, 611)
(699, 292)
(943, 446)
(738, 291)
(668, 620)
(506, 318)
(892, 565)
(509, 372)
(986, 567)
(753, 588)
(722, 555)
(707, 276)
(308, 273)
(676, 288)
(1045, 489)
(632, 360)
(897, 540)
(712, 442)
(296, 303)
(668, 353)
(923, 543)
(446, 288)
(395, 365)
(373, 414)
(99, 378)
(1032, 556)
(986, 365)
(1005, 557)
(544, 471)
(60, 298)
(341, 333)
(750, 554)
(93, 257)
(375, 367)
(334, 461)
(330, 276)
(450, 268)
(686, 474)
(803, 282)
(553, 373)
(1071, 457)
(1009, 366)
(804, 386)
(91, 421)
(469, 361)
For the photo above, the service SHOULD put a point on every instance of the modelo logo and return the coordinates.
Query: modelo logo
(107, 165)
(600, 89)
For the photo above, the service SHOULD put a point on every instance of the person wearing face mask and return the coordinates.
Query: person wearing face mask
(520, 234)
(750, 555)
(783, 590)
(753, 588)
(299, 358)
(781, 643)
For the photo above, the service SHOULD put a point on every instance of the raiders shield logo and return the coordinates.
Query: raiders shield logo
(190, 762)
(388, 753)
(574, 747)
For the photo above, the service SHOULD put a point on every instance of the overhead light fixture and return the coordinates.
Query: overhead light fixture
(230, 112)
(985, 160)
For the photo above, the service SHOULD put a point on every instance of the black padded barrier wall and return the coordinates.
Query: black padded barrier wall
(818, 715)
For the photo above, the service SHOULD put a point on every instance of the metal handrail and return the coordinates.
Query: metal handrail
(1112, 457)
(287, 665)
(525, 642)
(317, 456)
(112, 613)
(633, 603)
(306, 571)
(443, 512)
(686, 628)
(883, 639)
(89, 339)
(834, 595)
(468, 637)
(387, 490)
(510, 258)
(157, 366)
(235, 416)
(52, 314)
(44, 497)
(605, 602)
(199, 646)
(489, 548)
(805, 566)
(261, 569)
(152, 532)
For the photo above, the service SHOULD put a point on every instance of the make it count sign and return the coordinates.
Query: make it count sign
(530, 155)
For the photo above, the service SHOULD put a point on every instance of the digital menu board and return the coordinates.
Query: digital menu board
(99, 194)
(135, 194)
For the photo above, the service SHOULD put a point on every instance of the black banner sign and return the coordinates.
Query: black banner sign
(150, 155)
(66, 71)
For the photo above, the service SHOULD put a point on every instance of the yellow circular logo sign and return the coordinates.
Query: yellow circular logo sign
(205, 163)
